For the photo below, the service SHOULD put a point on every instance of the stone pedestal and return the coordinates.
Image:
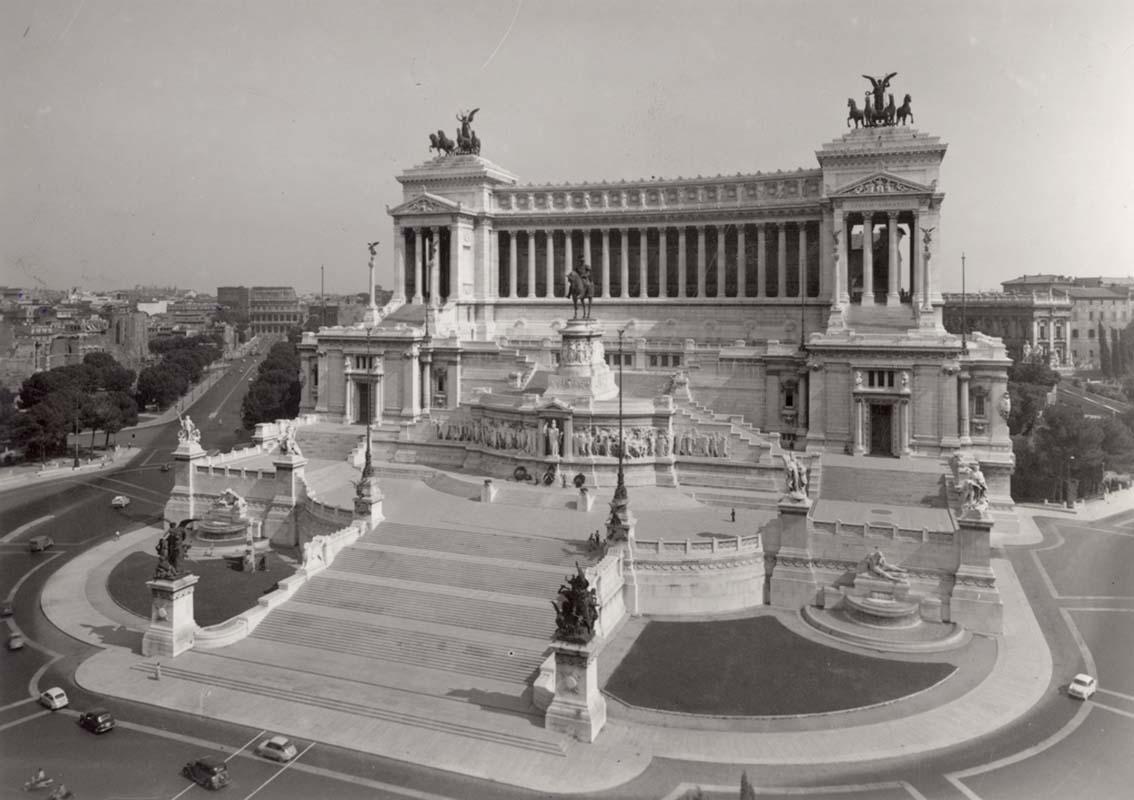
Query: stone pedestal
(181, 504)
(578, 708)
(583, 372)
(794, 583)
(172, 628)
(488, 491)
(368, 503)
(975, 602)
(622, 522)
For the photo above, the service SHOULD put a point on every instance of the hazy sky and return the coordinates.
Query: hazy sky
(213, 143)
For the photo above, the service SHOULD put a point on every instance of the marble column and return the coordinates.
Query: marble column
(682, 258)
(587, 248)
(399, 264)
(663, 263)
(426, 381)
(893, 284)
(741, 263)
(904, 411)
(606, 262)
(1051, 335)
(700, 260)
(867, 258)
(435, 267)
(568, 258)
(859, 413)
(418, 260)
(842, 251)
(802, 260)
(624, 265)
(781, 258)
(966, 432)
(761, 259)
(531, 264)
(549, 263)
(643, 269)
(722, 272)
(512, 257)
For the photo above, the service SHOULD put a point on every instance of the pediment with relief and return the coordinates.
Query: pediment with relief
(880, 183)
(426, 204)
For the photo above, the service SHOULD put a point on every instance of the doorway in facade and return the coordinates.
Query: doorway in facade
(881, 429)
(364, 404)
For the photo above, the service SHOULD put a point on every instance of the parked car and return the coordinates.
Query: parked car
(16, 641)
(207, 771)
(38, 544)
(97, 720)
(120, 501)
(6, 608)
(54, 699)
(1082, 686)
(277, 748)
(166, 467)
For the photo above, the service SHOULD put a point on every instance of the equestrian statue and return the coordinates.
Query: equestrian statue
(876, 112)
(580, 288)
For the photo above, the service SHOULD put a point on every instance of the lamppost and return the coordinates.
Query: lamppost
(621, 523)
(75, 465)
(1069, 501)
(367, 467)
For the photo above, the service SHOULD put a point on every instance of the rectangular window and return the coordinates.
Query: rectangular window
(789, 398)
(653, 360)
(880, 379)
(1074, 333)
(677, 361)
(978, 405)
(1090, 333)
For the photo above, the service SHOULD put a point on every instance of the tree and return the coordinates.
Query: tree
(1104, 352)
(1072, 446)
(1029, 383)
(43, 428)
(747, 791)
(161, 385)
(274, 394)
(1116, 367)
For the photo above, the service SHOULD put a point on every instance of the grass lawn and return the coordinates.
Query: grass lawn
(221, 593)
(756, 667)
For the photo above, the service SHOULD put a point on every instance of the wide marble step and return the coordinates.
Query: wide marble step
(332, 591)
(429, 650)
(505, 579)
(539, 550)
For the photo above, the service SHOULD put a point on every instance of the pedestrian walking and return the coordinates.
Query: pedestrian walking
(157, 670)
(733, 515)
(117, 535)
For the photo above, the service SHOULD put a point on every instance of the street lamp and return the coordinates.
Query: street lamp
(76, 464)
(620, 490)
(368, 467)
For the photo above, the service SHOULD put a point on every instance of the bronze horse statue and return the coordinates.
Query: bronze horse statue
(854, 113)
(441, 143)
(905, 111)
(888, 112)
(581, 289)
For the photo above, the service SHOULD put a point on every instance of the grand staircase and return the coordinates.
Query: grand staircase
(457, 620)
(896, 487)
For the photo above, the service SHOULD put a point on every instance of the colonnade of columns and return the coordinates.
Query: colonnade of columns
(920, 282)
(419, 272)
(695, 261)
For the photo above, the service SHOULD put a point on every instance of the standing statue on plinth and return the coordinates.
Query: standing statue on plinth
(795, 477)
(976, 492)
(189, 432)
(580, 288)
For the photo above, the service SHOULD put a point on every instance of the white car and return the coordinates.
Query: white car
(1082, 686)
(120, 501)
(277, 748)
(54, 698)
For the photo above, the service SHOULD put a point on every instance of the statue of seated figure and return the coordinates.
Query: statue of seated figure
(876, 565)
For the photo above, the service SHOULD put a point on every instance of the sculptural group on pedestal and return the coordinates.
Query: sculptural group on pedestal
(172, 549)
(576, 609)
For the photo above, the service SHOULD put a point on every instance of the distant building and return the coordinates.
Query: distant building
(235, 297)
(1033, 322)
(1094, 301)
(274, 309)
